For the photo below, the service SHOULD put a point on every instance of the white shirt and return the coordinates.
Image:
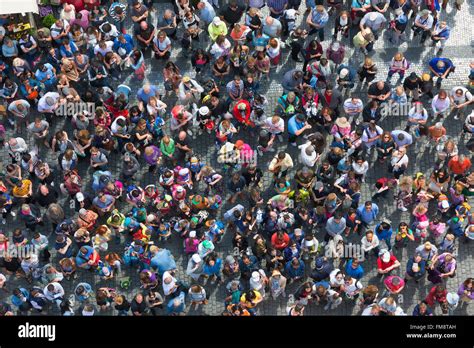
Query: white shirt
(428, 22)
(466, 96)
(274, 128)
(308, 161)
(162, 45)
(374, 25)
(167, 287)
(351, 107)
(45, 107)
(369, 133)
(366, 245)
(416, 115)
(360, 169)
(274, 52)
(440, 105)
(398, 162)
(107, 49)
(55, 30)
(20, 146)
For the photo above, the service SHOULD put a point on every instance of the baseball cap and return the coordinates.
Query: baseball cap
(196, 258)
(216, 21)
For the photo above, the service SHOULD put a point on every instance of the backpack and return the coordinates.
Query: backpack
(70, 185)
(100, 179)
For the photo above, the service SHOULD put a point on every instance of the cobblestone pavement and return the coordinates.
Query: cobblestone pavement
(459, 49)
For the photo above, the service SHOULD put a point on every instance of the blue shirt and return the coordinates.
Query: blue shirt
(277, 5)
(207, 14)
(40, 75)
(319, 18)
(294, 125)
(408, 140)
(367, 216)
(447, 64)
(163, 261)
(127, 45)
(141, 95)
(356, 273)
(383, 234)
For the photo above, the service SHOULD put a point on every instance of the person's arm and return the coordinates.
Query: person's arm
(433, 71)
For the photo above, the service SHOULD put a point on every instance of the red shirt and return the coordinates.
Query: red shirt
(384, 265)
(457, 167)
(280, 244)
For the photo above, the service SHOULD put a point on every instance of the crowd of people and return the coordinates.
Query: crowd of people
(99, 193)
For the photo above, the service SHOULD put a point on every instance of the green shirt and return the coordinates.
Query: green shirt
(167, 150)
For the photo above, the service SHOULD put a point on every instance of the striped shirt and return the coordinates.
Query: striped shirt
(277, 5)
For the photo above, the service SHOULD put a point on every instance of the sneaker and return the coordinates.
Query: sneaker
(12, 213)
(190, 133)
(293, 144)
(4, 222)
(456, 117)
(326, 307)
(271, 149)
(403, 209)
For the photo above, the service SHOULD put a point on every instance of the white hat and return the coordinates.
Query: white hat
(335, 46)
(452, 298)
(196, 258)
(150, 218)
(82, 211)
(106, 271)
(255, 276)
(216, 21)
(444, 204)
(203, 110)
(183, 171)
(386, 257)
(80, 197)
(192, 234)
(298, 231)
(344, 72)
(309, 243)
(180, 189)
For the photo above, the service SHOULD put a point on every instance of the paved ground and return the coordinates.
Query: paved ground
(459, 49)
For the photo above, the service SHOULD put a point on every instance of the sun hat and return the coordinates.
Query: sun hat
(203, 110)
(342, 122)
(186, 79)
(206, 244)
